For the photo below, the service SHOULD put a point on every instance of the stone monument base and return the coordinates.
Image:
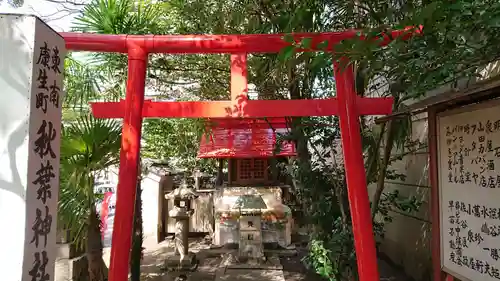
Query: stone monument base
(188, 263)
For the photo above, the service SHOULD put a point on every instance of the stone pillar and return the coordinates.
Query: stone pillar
(181, 234)
(251, 237)
(31, 81)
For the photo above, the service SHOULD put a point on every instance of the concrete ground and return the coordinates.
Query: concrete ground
(153, 269)
(210, 268)
(249, 275)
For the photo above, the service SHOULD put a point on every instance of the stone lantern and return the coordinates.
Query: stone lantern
(181, 212)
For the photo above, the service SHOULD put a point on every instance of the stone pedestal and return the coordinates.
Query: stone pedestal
(184, 263)
(181, 236)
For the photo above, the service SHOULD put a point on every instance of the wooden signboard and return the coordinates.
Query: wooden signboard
(469, 185)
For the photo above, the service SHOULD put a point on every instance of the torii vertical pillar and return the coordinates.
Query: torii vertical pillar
(129, 163)
(359, 203)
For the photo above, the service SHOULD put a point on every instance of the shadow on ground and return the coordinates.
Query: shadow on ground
(153, 269)
(210, 259)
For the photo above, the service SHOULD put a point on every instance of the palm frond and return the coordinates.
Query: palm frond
(120, 17)
(88, 145)
(82, 82)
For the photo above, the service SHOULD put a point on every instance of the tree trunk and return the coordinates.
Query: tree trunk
(389, 143)
(297, 130)
(372, 163)
(300, 138)
(137, 237)
(343, 200)
(98, 270)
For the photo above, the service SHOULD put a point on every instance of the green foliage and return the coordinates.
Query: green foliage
(84, 82)
(319, 258)
(322, 193)
(176, 140)
(458, 37)
(87, 146)
(393, 200)
(81, 82)
(333, 257)
(120, 17)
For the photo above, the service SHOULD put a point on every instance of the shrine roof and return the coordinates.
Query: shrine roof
(244, 138)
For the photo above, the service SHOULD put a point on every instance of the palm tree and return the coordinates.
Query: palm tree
(88, 146)
(123, 17)
(133, 17)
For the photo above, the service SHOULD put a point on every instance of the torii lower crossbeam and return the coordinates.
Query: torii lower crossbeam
(346, 105)
(249, 109)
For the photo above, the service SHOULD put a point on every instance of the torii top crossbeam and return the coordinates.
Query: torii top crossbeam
(239, 46)
(210, 44)
(347, 105)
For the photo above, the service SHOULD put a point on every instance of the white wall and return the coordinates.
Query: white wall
(407, 238)
(17, 40)
(150, 190)
(25, 202)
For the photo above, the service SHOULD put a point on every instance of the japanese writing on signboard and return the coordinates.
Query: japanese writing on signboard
(44, 137)
(469, 171)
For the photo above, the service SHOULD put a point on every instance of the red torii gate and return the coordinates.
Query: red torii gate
(347, 105)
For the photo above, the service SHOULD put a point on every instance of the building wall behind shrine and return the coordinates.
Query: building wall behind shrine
(407, 238)
(150, 185)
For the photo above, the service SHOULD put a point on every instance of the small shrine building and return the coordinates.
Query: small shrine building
(253, 192)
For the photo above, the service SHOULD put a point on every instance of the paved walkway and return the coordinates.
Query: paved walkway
(249, 275)
(210, 270)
